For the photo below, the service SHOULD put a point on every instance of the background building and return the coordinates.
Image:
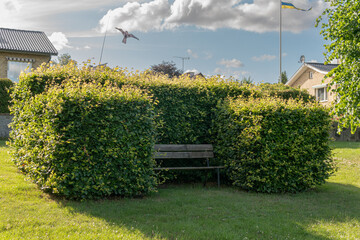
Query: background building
(311, 76)
(21, 50)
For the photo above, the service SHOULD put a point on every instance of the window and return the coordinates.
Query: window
(15, 68)
(310, 75)
(321, 94)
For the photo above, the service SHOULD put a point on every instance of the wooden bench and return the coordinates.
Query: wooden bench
(186, 151)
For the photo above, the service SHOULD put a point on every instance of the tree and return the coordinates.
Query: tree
(284, 78)
(168, 68)
(341, 30)
(246, 80)
(64, 59)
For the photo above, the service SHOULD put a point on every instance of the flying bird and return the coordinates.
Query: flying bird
(126, 35)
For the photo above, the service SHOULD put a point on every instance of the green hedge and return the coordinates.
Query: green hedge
(85, 140)
(5, 85)
(185, 108)
(273, 145)
(285, 92)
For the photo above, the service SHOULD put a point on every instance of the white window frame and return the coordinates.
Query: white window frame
(325, 95)
(311, 75)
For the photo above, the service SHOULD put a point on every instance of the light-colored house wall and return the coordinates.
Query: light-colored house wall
(39, 59)
(304, 82)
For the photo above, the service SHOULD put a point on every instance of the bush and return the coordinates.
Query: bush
(272, 145)
(5, 85)
(85, 141)
(285, 92)
(184, 107)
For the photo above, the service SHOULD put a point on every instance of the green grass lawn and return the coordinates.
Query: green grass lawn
(331, 211)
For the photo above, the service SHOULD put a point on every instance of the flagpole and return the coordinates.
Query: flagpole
(280, 54)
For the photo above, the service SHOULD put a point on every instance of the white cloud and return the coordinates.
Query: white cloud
(11, 5)
(233, 63)
(264, 57)
(44, 15)
(59, 40)
(156, 15)
(257, 16)
(192, 54)
(136, 16)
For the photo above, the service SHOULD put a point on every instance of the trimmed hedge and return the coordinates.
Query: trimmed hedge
(85, 140)
(184, 107)
(5, 85)
(272, 145)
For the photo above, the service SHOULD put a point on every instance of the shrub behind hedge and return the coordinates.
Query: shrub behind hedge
(285, 92)
(272, 145)
(5, 85)
(86, 141)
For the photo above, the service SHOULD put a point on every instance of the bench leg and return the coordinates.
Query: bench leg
(218, 176)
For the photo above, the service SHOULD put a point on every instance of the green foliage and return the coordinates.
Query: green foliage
(84, 140)
(284, 78)
(5, 85)
(341, 31)
(167, 68)
(246, 80)
(65, 59)
(184, 107)
(272, 145)
(286, 92)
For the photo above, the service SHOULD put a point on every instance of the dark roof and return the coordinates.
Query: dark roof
(25, 41)
(323, 67)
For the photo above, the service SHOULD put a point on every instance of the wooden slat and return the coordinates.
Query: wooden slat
(173, 155)
(183, 147)
(188, 168)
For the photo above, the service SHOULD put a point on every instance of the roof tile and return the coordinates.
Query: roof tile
(323, 67)
(26, 41)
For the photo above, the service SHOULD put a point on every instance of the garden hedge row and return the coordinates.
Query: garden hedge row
(85, 140)
(274, 145)
(5, 85)
(184, 112)
(184, 106)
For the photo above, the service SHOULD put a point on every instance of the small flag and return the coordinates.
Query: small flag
(291, 6)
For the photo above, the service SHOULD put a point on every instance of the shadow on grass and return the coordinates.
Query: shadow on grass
(345, 145)
(3, 142)
(187, 212)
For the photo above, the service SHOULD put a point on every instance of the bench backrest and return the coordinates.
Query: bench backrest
(167, 151)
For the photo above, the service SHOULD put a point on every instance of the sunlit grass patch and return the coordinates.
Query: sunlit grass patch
(331, 211)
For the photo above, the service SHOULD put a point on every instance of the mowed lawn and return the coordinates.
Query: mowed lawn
(331, 211)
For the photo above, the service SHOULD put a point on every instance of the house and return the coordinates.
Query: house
(310, 76)
(193, 73)
(22, 50)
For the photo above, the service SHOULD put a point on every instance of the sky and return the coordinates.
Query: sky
(233, 38)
